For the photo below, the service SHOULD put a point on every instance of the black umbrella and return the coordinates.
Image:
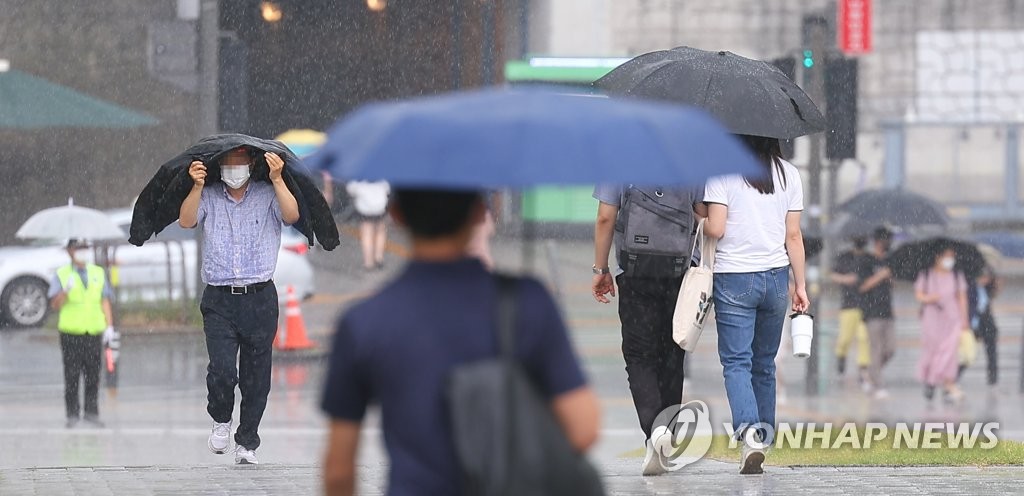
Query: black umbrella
(749, 96)
(848, 227)
(894, 207)
(812, 246)
(912, 258)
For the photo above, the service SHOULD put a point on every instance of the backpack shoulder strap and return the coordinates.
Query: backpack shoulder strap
(623, 216)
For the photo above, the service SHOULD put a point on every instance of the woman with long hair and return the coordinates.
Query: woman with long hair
(757, 221)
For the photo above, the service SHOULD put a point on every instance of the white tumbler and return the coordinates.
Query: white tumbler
(801, 330)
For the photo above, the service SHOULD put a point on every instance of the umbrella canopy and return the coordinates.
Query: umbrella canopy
(894, 207)
(28, 102)
(846, 226)
(302, 141)
(749, 96)
(911, 258)
(70, 222)
(503, 138)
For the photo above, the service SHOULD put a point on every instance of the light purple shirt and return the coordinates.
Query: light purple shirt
(241, 239)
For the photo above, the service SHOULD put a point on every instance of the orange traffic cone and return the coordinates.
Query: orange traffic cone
(294, 327)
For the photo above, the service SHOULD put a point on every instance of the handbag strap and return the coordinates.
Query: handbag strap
(698, 237)
(707, 247)
(707, 253)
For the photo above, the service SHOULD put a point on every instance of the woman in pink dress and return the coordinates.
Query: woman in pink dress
(942, 292)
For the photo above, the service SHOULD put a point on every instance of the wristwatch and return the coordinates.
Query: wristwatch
(598, 271)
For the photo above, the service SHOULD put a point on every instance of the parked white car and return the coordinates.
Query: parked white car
(161, 269)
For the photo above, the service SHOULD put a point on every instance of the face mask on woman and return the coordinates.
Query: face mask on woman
(234, 176)
(948, 263)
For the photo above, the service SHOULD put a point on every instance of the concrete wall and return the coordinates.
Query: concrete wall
(98, 48)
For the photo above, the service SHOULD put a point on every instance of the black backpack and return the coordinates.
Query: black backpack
(656, 225)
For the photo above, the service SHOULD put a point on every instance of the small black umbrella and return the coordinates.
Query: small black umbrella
(812, 246)
(912, 258)
(894, 207)
(749, 96)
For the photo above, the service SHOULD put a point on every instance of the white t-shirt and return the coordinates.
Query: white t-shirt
(755, 225)
(370, 198)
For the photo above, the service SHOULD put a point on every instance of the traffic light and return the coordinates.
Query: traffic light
(841, 107)
(233, 86)
(808, 59)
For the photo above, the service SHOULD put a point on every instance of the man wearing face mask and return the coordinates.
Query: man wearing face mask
(79, 291)
(241, 221)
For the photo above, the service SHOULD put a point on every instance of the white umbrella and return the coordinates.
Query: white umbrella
(70, 222)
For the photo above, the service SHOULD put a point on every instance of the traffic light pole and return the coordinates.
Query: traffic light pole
(209, 64)
(817, 31)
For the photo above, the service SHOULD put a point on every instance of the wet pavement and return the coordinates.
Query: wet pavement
(154, 441)
(707, 477)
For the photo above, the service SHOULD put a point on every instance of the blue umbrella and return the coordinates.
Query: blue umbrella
(496, 138)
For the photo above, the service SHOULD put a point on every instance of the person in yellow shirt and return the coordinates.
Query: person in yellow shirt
(79, 291)
(851, 269)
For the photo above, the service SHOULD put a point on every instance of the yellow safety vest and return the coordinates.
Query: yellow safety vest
(82, 312)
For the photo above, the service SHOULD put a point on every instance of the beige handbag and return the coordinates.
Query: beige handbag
(694, 301)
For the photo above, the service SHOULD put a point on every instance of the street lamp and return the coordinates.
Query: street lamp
(376, 5)
(271, 11)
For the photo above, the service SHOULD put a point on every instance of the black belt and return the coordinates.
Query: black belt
(241, 290)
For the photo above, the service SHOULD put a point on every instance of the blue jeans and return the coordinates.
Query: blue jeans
(750, 309)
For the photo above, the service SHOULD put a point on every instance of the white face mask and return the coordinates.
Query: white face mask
(948, 263)
(234, 176)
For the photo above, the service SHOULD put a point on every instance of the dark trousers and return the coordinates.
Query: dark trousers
(239, 328)
(988, 333)
(81, 358)
(654, 362)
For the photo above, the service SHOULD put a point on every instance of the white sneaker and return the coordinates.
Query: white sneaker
(881, 394)
(245, 456)
(652, 461)
(751, 461)
(220, 438)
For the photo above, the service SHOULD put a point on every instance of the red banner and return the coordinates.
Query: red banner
(854, 27)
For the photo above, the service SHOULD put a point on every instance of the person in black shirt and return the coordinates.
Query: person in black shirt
(981, 293)
(876, 305)
(851, 269)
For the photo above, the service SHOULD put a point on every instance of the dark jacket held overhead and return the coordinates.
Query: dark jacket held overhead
(160, 201)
